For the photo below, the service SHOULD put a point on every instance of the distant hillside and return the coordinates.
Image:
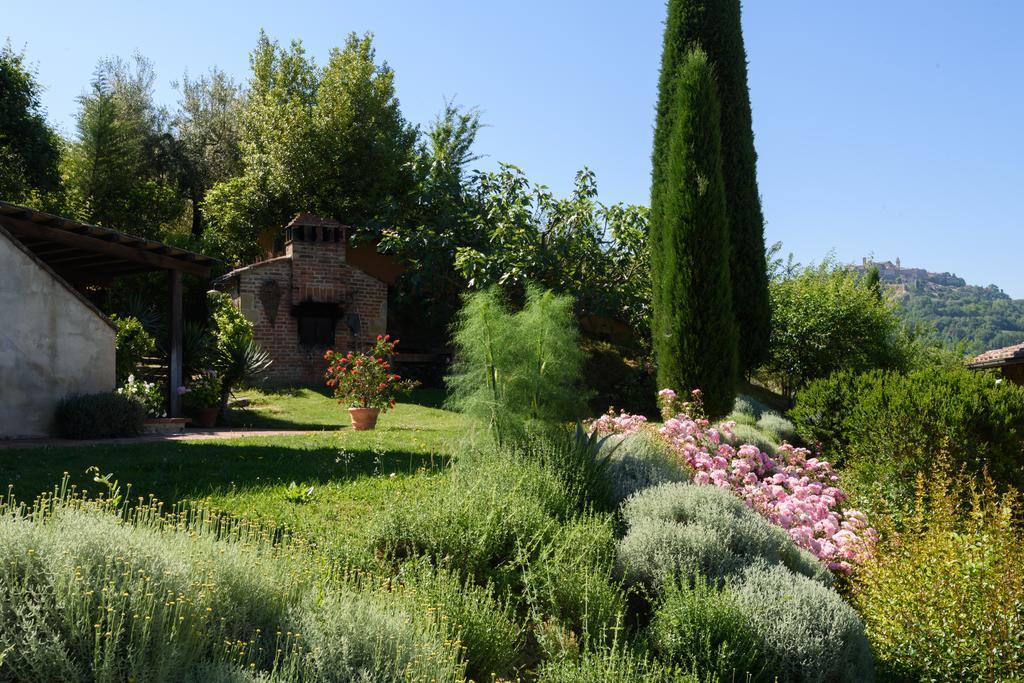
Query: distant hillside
(954, 311)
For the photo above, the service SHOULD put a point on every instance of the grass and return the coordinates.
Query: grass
(352, 474)
(307, 408)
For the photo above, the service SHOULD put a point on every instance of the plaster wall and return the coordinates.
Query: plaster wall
(52, 343)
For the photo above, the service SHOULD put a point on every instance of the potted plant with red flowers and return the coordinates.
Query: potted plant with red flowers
(202, 396)
(365, 383)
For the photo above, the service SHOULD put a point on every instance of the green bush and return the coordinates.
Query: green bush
(85, 595)
(743, 433)
(776, 427)
(742, 418)
(477, 520)
(516, 367)
(887, 427)
(685, 530)
(702, 629)
(484, 626)
(131, 344)
(943, 597)
(806, 631)
(569, 584)
(99, 416)
(366, 637)
(639, 462)
(613, 664)
(826, 318)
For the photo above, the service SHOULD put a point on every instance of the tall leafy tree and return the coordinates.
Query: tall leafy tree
(208, 126)
(124, 169)
(330, 140)
(714, 26)
(694, 330)
(29, 148)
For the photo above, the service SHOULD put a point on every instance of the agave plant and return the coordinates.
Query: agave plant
(196, 347)
(239, 361)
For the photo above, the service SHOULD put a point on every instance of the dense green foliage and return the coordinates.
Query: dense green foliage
(694, 331)
(331, 140)
(510, 367)
(121, 170)
(973, 318)
(29, 148)
(887, 427)
(685, 530)
(943, 598)
(806, 631)
(99, 416)
(131, 345)
(714, 27)
(235, 354)
(826, 318)
(701, 628)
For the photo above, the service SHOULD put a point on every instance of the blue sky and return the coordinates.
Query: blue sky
(885, 128)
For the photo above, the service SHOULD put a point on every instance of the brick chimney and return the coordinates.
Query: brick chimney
(317, 250)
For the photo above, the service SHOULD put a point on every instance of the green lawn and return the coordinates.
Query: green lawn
(352, 473)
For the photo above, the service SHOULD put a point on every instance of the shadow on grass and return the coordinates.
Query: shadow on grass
(178, 470)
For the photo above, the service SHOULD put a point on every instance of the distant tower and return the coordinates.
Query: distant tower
(898, 268)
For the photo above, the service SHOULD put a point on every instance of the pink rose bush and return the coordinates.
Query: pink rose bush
(792, 489)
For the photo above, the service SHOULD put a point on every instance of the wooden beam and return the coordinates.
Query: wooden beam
(174, 365)
(37, 231)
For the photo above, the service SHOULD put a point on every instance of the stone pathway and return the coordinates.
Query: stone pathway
(191, 434)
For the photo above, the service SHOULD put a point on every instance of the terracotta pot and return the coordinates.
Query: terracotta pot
(206, 417)
(364, 418)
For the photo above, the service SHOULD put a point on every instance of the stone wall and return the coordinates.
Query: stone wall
(52, 343)
(312, 269)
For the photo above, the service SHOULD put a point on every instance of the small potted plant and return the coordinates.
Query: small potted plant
(365, 382)
(202, 396)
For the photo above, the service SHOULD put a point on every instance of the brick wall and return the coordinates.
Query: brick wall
(312, 269)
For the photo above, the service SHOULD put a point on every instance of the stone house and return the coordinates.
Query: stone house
(308, 298)
(1009, 361)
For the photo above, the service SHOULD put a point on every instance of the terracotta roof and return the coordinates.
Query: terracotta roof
(1008, 355)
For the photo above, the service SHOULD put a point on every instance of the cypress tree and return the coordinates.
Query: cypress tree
(714, 25)
(694, 328)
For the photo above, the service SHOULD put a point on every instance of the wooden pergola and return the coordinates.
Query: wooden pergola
(85, 255)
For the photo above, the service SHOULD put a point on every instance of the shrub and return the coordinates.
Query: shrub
(364, 380)
(806, 631)
(688, 529)
(792, 489)
(569, 585)
(90, 595)
(776, 427)
(824, 319)
(746, 434)
(579, 459)
(510, 367)
(484, 626)
(943, 598)
(742, 418)
(887, 427)
(150, 394)
(235, 355)
(203, 391)
(702, 629)
(362, 637)
(477, 519)
(131, 344)
(612, 664)
(745, 405)
(639, 462)
(99, 416)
